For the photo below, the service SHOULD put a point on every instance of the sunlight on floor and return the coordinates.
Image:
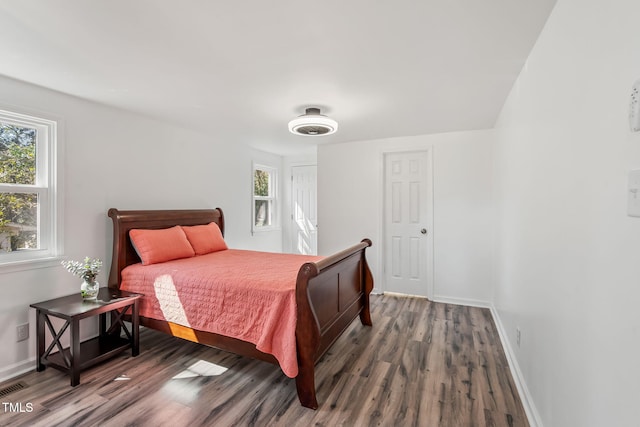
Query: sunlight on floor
(183, 388)
(201, 368)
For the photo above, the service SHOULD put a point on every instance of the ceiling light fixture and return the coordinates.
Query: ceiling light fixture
(312, 123)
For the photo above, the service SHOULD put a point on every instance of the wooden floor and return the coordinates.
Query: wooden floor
(421, 364)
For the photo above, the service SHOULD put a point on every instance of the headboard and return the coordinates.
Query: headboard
(123, 252)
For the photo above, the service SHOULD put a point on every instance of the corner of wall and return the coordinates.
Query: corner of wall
(525, 396)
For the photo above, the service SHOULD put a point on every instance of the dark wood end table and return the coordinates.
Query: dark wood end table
(81, 355)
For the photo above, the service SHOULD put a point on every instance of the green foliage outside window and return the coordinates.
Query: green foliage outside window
(261, 183)
(18, 210)
(261, 190)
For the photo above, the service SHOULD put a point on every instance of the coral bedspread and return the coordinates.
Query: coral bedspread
(241, 294)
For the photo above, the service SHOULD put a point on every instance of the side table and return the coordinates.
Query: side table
(81, 355)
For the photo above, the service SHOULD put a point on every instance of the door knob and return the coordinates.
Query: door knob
(423, 231)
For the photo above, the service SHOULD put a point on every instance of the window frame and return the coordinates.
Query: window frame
(47, 187)
(272, 198)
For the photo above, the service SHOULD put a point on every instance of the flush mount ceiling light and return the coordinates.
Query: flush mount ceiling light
(312, 123)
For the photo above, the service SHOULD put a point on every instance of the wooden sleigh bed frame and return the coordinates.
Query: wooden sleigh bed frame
(330, 293)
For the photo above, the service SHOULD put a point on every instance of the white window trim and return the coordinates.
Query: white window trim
(48, 187)
(275, 214)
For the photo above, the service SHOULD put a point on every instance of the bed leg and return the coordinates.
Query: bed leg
(365, 313)
(367, 287)
(305, 384)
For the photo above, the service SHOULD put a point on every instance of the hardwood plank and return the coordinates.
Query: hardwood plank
(421, 364)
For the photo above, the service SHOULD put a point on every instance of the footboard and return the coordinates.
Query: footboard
(330, 293)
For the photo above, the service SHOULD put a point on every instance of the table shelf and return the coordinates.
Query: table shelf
(92, 351)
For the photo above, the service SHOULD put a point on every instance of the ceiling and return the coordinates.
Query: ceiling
(240, 70)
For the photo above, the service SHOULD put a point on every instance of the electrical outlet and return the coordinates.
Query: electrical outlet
(633, 200)
(23, 332)
(518, 335)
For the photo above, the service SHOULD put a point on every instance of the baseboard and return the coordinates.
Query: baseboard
(461, 301)
(525, 396)
(16, 369)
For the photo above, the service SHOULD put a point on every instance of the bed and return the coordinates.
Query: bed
(328, 293)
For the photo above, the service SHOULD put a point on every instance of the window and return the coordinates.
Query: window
(27, 188)
(264, 198)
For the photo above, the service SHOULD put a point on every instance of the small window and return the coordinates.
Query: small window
(27, 188)
(264, 198)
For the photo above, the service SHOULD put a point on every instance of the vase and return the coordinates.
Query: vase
(89, 289)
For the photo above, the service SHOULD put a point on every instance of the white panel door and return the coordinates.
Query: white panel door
(406, 222)
(304, 219)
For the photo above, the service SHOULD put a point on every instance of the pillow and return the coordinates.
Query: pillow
(205, 238)
(154, 246)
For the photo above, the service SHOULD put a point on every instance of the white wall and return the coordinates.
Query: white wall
(117, 159)
(350, 183)
(568, 256)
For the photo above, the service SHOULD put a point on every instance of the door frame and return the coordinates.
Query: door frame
(430, 219)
